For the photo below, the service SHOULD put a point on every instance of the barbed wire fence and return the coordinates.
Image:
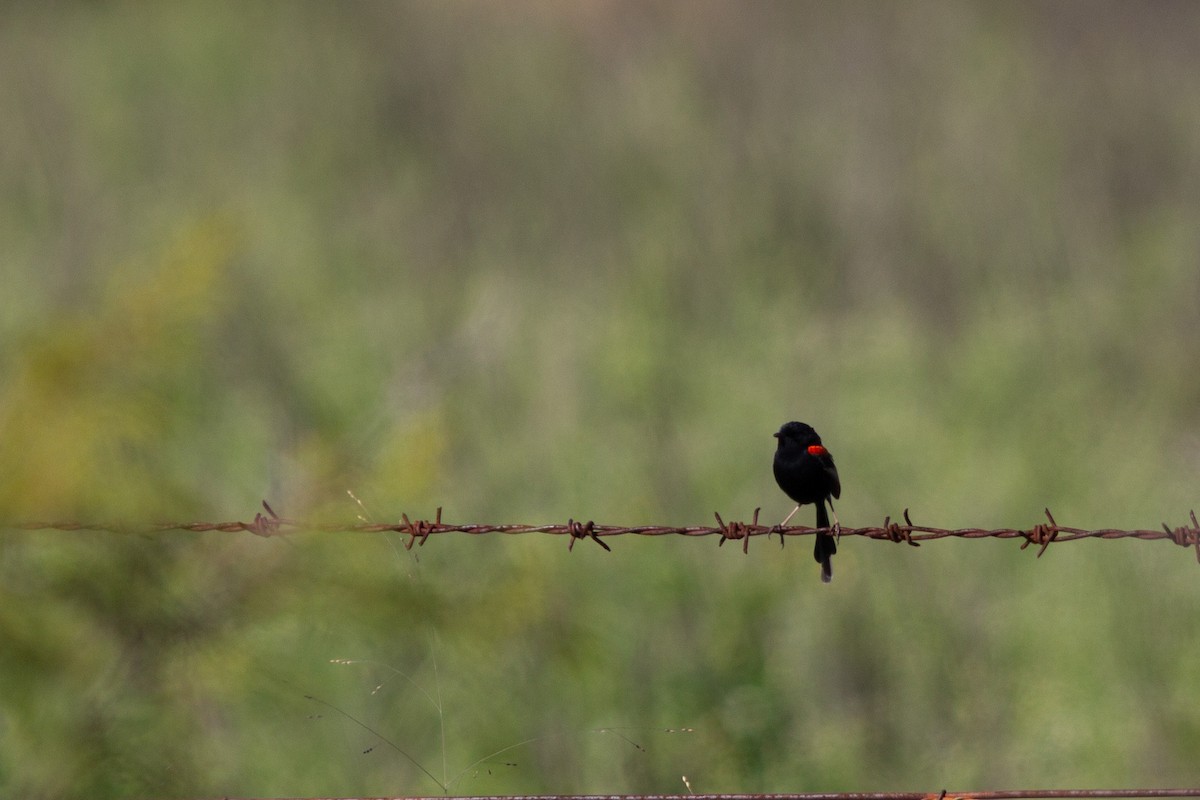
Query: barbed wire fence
(1022, 794)
(1041, 535)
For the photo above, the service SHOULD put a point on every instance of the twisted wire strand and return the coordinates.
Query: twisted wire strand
(419, 530)
(1019, 794)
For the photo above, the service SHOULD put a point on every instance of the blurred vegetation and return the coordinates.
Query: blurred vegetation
(533, 261)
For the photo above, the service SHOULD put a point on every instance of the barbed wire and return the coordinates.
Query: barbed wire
(1019, 794)
(419, 530)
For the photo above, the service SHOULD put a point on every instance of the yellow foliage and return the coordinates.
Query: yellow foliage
(85, 401)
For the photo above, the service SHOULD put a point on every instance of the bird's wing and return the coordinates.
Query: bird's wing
(835, 484)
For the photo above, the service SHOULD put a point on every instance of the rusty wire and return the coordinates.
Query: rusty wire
(419, 530)
(1019, 794)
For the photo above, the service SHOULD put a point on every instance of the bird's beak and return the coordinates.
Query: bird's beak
(776, 434)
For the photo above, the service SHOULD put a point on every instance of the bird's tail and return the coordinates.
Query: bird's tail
(825, 545)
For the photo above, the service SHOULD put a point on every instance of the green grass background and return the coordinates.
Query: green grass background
(533, 261)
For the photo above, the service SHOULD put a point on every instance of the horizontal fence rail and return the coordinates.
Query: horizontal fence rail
(419, 530)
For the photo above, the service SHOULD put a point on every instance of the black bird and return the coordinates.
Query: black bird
(804, 470)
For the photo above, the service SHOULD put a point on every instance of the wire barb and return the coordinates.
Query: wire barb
(1185, 536)
(738, 530)
(1042, 534)
(898, 534)
(581, 530)
(420, 529)
(265, 526)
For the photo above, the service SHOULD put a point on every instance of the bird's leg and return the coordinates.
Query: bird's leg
(779, 527)
(837, 526)
(788, 518)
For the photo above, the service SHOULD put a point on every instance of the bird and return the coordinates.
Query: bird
(805, 472)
